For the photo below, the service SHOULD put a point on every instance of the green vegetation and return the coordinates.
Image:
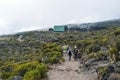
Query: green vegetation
(98, 56)
(113, 54)
(52, 53)
(30, 68)
(34, 70)
(32, 75)
(27, 56)
(103, 70)
(117, 32)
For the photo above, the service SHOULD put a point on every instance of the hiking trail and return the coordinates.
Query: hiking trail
(69, 70)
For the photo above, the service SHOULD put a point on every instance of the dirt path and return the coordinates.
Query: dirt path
(69, 70)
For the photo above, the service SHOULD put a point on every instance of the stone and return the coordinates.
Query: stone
(17, 78)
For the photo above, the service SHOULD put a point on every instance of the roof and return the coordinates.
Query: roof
(59, 28)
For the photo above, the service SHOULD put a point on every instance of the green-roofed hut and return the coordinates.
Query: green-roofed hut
(60, 28)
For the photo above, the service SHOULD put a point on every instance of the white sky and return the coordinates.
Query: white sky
(23, 15)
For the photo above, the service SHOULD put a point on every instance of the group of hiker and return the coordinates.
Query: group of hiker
(70, 52)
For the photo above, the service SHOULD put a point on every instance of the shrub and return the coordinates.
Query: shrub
(53, 60)
(104, 40)
(47, 50)
(52, 53)
(117, 32)
(62, 60)
(32, 75)
(86, 42)
(23, 68)
(93, 48)
(98, 42)
(30, 69)
(113, 53)
(79, 43)
(102, 70)
(5, 75)
(91, 55)
(57, 48)
(6, 71)
(118, 45)
(99, 55)
(113, 50)
(42, 70)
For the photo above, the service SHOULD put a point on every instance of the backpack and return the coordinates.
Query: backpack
(69, 53)
(76, 52)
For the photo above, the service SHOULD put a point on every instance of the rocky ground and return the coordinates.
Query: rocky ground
(69, 70)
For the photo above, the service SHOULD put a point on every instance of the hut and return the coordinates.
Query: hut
(60, 28)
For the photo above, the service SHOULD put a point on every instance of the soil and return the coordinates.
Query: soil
(69, 70)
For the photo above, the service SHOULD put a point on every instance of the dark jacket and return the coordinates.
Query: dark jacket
(70, 53)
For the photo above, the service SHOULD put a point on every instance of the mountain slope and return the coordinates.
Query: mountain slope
(97, 25)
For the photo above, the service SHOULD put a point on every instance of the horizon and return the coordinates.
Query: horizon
(46, 29)
(26, 15)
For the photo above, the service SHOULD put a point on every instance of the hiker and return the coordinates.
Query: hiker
(69, 54)
(68, 47)
(75, 53)
(64, 49)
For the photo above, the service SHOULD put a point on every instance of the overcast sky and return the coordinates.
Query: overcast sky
(23, 15)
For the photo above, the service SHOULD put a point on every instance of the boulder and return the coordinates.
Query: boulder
(107, 70)
(114, 76)
(89, 63)
(17, 78)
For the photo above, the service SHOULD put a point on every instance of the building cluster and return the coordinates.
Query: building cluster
(63, 28)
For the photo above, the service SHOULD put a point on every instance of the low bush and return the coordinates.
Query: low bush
(32, 75)
(113, 54)
(93, 48)
(30, 69)
(117, 32)
(52, 53)
(98, 56)
(103, 70)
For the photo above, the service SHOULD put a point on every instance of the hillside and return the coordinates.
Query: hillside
(96, 25)
(29, 55)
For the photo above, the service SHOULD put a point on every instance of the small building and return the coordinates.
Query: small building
(60, 28)
(50, 29)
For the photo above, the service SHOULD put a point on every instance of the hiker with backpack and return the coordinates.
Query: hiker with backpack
(69, 54)
(75, 53)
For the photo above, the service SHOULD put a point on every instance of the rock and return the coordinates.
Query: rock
(89, 63)
(117, 67)
(104, 49)
(50, 67)
(114, 76)
(110, 68)
(55, 40)
(106, 71)
(81, 66)
(60, 70)
(78, 72)
(17, 78)
(20, 38)
(118, 64)
(68, 69)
